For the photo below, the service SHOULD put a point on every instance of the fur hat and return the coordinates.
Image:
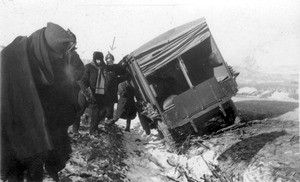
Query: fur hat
(57, 38)
(98, 56)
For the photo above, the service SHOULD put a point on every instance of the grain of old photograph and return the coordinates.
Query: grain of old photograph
(149, 90)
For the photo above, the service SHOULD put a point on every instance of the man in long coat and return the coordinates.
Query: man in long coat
(36, 104)
(98, 81)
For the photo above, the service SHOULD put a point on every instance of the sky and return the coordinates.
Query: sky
(248, 32)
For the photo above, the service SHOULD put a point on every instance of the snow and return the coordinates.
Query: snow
(149, 161)
(255, 94)
(289, 116)
(264, 94)
(247, 90)
(277, 95)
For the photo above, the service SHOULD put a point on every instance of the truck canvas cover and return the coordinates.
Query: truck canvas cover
(168, 46)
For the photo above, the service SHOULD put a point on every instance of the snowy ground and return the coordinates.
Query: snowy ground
(148, 159)
(263, 147)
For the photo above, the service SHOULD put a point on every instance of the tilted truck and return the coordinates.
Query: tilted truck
(182, 80)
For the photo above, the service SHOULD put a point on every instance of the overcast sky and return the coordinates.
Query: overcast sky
(265, 32)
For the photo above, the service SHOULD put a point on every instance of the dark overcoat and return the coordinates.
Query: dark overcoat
(36, 104)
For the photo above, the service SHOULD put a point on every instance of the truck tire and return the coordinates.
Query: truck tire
(182, 132)
(170, 142)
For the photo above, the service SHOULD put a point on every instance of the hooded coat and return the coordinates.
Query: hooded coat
(36, 101)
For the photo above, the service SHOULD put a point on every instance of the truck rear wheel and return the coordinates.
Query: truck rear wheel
(170, 142)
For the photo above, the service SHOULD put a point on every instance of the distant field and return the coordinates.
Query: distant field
(270, 90)
(269, 86)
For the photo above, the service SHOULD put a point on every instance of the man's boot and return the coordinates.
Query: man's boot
(128, 122)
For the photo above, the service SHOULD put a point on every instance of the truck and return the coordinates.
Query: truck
(182, 81)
